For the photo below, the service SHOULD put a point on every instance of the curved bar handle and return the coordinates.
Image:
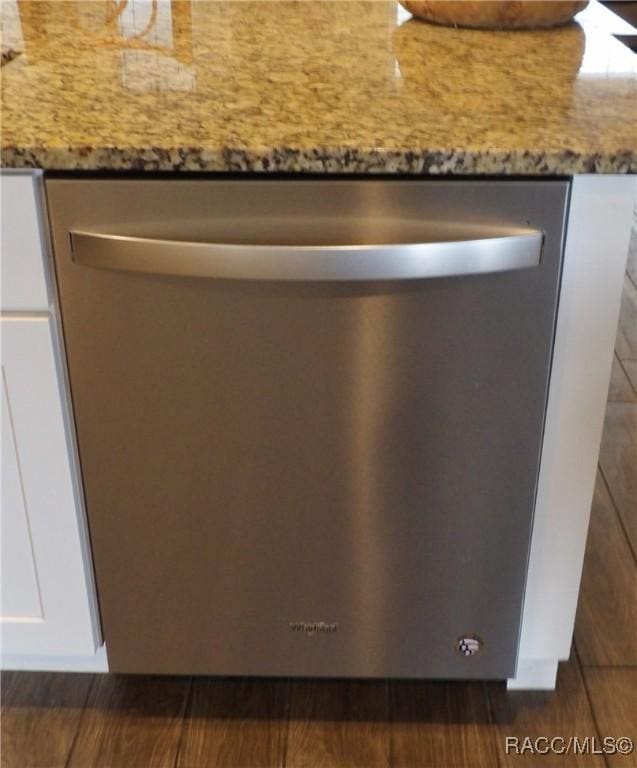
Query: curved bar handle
(513, 249)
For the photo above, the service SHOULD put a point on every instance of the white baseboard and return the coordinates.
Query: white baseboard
(534, 675)
(96, 663)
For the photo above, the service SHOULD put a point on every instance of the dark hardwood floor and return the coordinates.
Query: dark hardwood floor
(85, 721)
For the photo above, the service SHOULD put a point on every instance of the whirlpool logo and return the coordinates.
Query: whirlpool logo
(312, 627)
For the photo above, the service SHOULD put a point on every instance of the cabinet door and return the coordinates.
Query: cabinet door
(47, 602)
(24, 282)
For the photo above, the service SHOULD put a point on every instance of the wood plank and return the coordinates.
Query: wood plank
(440, 725)
(41, 714)
(336, 723)
(618, 459)
(131, 721)
(620, 389)
(612, 693)
(626, 342)
(607, 609)
(235, 724)
(564, 712)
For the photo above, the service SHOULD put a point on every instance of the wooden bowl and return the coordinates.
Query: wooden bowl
(496, 14)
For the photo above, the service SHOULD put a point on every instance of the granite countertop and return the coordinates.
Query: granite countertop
(326, 87)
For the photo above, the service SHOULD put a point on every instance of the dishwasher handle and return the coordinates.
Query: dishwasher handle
(510, 250)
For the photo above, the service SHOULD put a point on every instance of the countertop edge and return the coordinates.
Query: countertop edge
(320, 160)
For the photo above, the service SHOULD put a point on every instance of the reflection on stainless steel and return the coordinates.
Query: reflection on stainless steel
(371, 387)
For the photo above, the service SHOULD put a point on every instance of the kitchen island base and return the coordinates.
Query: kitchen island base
(596, 249)
(600, 216)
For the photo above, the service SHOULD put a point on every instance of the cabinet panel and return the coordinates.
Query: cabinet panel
(24, 284)
(46, 606)
(20, 591)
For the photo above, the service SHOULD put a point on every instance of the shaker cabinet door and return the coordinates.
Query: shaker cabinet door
(45, 601)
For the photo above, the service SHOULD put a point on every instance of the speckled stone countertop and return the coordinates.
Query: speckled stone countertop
(327, 87)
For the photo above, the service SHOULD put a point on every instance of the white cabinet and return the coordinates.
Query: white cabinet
(20, 593)
(48, 616)
(45, 606)
(24, 278)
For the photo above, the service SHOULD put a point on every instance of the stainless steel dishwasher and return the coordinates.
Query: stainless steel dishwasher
(309, 417)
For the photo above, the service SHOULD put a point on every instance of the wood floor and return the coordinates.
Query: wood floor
(86, 721)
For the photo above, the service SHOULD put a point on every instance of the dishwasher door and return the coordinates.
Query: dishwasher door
(309, 417)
